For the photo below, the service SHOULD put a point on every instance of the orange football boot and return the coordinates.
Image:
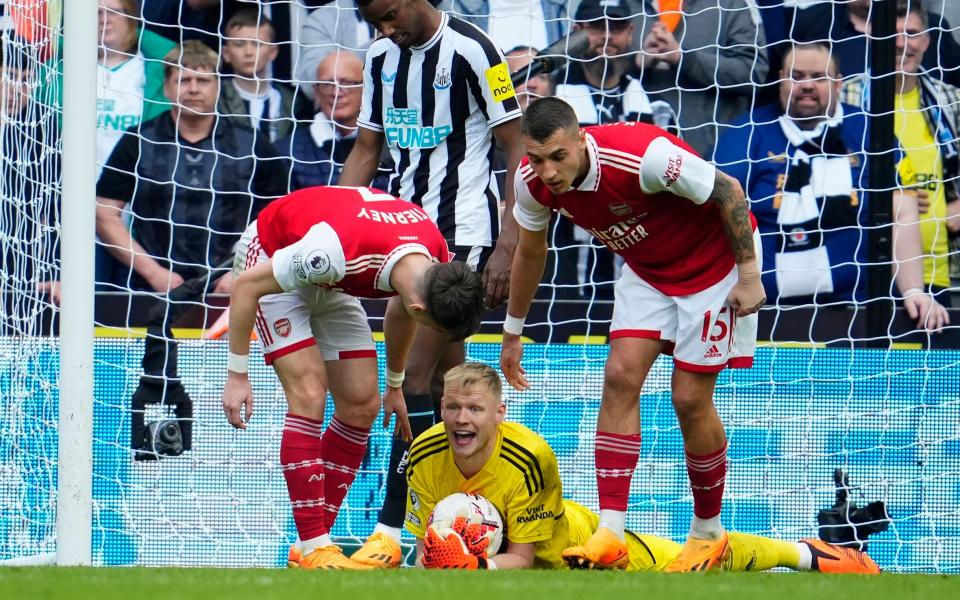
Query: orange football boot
(829, 558)
(604, 550)
(329, 557)
(380, 551)
(699, 555)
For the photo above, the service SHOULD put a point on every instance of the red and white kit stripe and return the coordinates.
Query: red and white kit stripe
(303, 469)
(343, 449)
(616, 457)
(708, 474)
(254, 250)
(624, 161)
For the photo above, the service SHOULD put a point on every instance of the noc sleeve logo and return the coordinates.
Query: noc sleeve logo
(498, 80)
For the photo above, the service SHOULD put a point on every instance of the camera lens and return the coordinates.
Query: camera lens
(169, 432)
(164, 438)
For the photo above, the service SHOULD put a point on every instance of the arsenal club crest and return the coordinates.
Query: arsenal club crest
(282, 327)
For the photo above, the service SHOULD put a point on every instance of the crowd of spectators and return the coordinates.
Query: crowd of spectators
(208, 109)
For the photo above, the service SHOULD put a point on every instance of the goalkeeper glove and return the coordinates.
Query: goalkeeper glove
(445, 549)
(469, 526)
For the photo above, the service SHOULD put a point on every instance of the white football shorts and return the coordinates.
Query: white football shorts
(702, 331)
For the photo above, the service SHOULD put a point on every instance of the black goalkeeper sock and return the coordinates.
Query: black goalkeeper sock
(420, 413)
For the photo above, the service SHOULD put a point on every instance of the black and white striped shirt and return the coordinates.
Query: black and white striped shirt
(436, 105)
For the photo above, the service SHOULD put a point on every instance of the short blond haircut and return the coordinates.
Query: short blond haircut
(467, 375)
(193, 55)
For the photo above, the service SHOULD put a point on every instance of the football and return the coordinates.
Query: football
(477, 509)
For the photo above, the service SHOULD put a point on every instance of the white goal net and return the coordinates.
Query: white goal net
(832, 386)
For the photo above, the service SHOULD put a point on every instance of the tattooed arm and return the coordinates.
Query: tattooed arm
(747, 296)
(667, 167)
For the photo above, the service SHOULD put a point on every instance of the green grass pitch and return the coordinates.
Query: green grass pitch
(40, 583)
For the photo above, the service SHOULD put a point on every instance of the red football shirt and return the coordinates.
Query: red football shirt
(645, 197)
(345, 238)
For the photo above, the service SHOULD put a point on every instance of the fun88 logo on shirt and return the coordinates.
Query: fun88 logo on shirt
(402, 128)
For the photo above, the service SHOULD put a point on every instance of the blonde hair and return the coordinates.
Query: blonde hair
(193, 55)
(465, 376)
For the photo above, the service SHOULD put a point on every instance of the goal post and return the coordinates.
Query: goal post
(75, 448)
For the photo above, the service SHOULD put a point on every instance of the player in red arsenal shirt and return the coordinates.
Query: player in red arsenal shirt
(690, 286)
(300, 268)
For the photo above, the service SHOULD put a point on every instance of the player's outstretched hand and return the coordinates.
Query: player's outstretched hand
(926, 312)
(747, 296)
(238, 400)
(394, 404)
(511, 351)
(444, 549)
(469, 526)
(496, 277)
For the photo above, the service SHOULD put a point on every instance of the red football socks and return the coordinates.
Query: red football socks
(616, 457)
(708, 473)
(343, 448)
(303, 470)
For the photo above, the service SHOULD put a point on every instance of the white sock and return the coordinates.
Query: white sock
(806, 557)
(706, 529)
(393, 532)
(614, 520)
(308, 546)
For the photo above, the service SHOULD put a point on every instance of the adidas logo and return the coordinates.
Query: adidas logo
(713, 352)
(384, 558)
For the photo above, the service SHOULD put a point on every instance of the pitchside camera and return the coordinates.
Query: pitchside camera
(163, 438)
(166, 436)
(846, 524)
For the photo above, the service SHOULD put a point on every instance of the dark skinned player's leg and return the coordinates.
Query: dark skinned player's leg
(455, 355)
(428, 348)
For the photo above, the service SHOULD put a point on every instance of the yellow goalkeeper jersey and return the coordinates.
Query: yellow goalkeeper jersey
(523, 481)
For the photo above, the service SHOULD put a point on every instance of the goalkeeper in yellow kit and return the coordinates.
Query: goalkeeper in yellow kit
(475, 451)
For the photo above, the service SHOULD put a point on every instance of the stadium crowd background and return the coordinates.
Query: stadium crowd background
(290, 77)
